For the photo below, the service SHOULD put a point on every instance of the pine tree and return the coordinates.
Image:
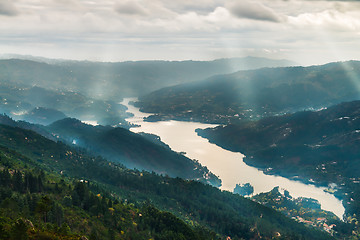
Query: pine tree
(44, 206)
(17, 180)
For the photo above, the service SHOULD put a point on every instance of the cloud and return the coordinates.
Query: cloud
(329, 20)
(187, 29)
(253, 10)
(130, 8)
(199, 6)
(7, 8)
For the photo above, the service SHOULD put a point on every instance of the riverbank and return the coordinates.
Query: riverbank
(227, 165)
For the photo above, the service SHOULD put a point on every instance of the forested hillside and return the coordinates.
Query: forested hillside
(119, 145)
(255, 94)
(322, 146)
(197, 204)
(36, 204)
(130, 149)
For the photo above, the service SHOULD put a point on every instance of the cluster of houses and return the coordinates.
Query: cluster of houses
(319, 222)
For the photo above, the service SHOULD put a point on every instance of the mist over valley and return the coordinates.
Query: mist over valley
(196, 120)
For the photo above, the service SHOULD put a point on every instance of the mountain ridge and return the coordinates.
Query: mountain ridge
(121, 79)
(322, 146)
(254, 94)
(119, 145)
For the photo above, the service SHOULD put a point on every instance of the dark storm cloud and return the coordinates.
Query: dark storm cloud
(253, 10)
(7, 8)
(130, 8)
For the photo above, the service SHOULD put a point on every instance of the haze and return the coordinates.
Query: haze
(305, 31)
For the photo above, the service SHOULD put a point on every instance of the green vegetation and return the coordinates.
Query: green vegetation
(198, 204)
(304, 210)
(38, 205)
(319, 147)
(130, 149)
(64, 190)
(255, 94)
(322, 145)
(244, 189)
(119, 145)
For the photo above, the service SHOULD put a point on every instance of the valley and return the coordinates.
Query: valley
(180, 120)
(205, 138)
(116, 194)
(227, 165)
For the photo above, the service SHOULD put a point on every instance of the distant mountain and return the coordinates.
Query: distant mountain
(122, 79)
(43, 115)
(43, 106)
(323, 146)
(256, 93)
(32, 58)
(6, 120)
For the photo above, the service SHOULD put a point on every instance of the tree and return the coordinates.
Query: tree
(31, 182)
(244, 189)
(80, 189)
(57, 214)
(40, 183)
(75, 199)
(18, 183)
(44, 206)
(64, 229)
(19, 230)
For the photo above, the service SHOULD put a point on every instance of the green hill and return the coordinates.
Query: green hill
(36, 204)
(198, 204)
(121, 146)
(257, 93)
(43, 115)
(321, 145)
(130, 149)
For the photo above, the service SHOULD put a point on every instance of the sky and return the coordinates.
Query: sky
(305, 31)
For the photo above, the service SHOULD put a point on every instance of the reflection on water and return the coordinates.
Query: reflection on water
(227, 165)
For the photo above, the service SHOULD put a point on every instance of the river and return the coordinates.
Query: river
(227, 165)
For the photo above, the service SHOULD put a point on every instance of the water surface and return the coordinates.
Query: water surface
(227, 165)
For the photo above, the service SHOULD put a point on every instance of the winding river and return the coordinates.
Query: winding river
(227, 165)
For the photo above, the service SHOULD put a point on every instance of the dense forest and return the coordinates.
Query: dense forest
(65, 179)
(197, 204)
(253, 94)
(35, 204)
(322, 146)
(130, 149)
(121, 146)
